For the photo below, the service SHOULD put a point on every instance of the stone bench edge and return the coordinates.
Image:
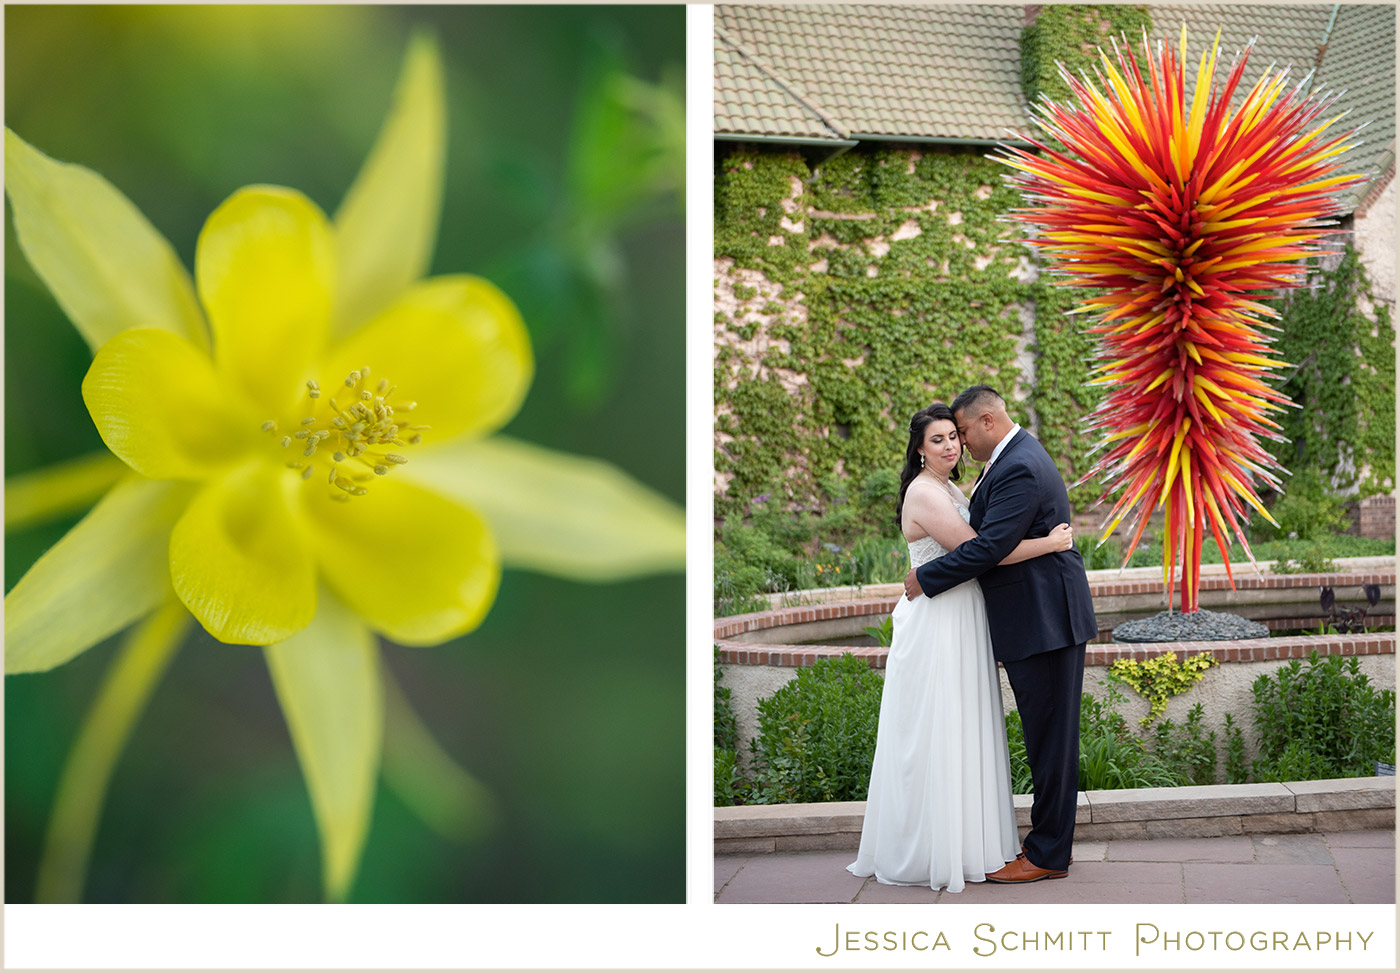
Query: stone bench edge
(1119, 813)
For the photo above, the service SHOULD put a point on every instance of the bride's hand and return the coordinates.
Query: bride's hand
(1063, 537)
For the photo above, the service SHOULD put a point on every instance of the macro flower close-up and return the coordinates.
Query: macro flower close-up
(303, 453)
(279, 501)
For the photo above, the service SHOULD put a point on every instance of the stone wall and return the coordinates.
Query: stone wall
(1374, 238)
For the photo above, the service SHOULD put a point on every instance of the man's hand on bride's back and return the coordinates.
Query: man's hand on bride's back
(1063, 536)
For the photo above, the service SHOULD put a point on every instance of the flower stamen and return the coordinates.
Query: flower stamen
(362, 431)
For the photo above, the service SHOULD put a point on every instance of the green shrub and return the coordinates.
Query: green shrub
(878, 560)
(1188, 751)
(1298, 761)
(1308, 511)
(1097, 558)
(1313, 561)
(1321, 722)
(726, 724)
(747, 564)
(789, 530)
(878, 492)
(841, 524)
(1016, 744)
(1111, 757)
(730, 785)
(816, 735)
(1149, 552)
(1236, 769)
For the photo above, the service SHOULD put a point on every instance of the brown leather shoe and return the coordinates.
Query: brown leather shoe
(1023, 852)
(1021, 870)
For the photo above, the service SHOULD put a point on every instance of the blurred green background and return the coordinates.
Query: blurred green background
(564, 182)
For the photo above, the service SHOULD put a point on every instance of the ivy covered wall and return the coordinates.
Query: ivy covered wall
(1071, 34)
(1341, 343)
(849, 297)
(852, 292)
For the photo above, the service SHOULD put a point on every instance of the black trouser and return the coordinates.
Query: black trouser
(1047, 687)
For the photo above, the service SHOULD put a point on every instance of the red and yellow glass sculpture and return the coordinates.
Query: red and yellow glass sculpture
(1186, 216)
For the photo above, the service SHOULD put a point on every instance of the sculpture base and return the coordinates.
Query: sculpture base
(1198, 626)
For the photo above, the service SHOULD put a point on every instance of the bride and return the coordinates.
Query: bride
(939, 809)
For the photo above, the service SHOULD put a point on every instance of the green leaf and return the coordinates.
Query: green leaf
(557, 513)
(328, 682)
(107, 267)
(387, 225)
(628, 141)
(109, 570)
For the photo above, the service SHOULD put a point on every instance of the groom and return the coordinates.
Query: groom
(1039, 612)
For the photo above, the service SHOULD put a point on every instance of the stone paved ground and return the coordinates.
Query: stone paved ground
(1352, 866)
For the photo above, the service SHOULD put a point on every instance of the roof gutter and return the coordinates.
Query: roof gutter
(938, 140)
(783, 139)
(856, 138)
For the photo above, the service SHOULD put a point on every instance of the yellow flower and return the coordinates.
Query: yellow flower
(302, 432)
(294, 443)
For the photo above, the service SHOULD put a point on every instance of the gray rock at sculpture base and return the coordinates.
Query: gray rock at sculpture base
(1198, 626)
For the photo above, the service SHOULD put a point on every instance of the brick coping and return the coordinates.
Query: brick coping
(730, 625)
(1099, 654)
(1095, 807)
(1215, 574)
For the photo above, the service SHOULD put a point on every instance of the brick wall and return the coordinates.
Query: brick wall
(1375, 517)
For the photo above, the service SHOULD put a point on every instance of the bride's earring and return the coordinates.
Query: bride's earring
(921, 461)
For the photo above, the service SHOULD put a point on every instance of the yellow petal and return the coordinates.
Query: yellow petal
(265, 266)
(159, 405)
(240, 560)
(105, 573)
(385, 228)
(60, 489)
(427, 778)
(104, 263)
(456, 346)
(327, 680)
(82, 789)
(565, 515)
(416, 567)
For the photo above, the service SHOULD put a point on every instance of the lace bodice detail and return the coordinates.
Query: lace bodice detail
(925, 549)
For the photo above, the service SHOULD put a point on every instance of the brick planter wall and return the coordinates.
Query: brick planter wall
(754, 668)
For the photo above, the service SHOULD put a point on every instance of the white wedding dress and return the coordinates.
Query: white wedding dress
(939, 810)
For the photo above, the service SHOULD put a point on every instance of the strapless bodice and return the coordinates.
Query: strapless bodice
(925, 549)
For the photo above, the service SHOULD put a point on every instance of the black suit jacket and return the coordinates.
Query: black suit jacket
(1036, 605)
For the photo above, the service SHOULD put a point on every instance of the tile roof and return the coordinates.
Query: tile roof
(953, 71)
(1359, 62)
(1285, 34)
(752, 101)
(941, 71)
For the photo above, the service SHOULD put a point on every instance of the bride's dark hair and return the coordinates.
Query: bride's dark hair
(917, 427)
